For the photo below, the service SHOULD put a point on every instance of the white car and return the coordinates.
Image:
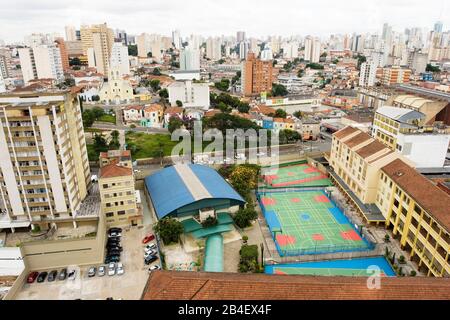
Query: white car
(147, 250)
(111, 269)
(101, 271)
(120, 269)
(153, 268)
(150, 253)
(71, 274)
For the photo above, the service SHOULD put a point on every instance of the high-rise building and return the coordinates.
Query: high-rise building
(2, 84)
(438, 27)
(176, 39)
(240, 36)
(41, 62)
(256, 75)
(105, 39)
(243, 50)
(119, 58)
(266, 54)
(368, 74)
(213, 49)
(190, 59)
(61, 44)
(44, 163)
(71, 33)
(313, 49)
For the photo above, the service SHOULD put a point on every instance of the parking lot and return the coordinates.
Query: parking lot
(127, 286)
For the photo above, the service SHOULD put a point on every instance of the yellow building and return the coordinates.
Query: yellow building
(117, 192)
(418, 212)
(116, 89)
(356, 159)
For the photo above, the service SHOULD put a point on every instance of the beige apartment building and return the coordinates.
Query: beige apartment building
(395, 75)
(44, 167)
(356, 159)
(117, 192)
(418, 213)
(97, 42)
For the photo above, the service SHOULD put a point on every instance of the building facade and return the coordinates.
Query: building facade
(256, 76)
(191, 94)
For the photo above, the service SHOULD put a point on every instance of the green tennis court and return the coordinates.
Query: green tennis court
(308, 222)
(294, 176)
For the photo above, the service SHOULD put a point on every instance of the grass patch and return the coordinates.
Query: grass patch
(108, 118)
(144, 145)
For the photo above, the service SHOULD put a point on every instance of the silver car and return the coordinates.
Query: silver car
(101, 271)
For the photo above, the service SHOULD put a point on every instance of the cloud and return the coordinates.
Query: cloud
(213, 17)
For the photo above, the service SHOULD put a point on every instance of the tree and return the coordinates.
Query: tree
(164, 93)
(224, 107)
(278, 90)
(361, 60)
(169, 229)
(154, 84)
(95, 98)
(243, 107)
(244, 179)
(156, 72)
(431, 68)
(315, 66)
(88, 118)
(288, 136)
(298, 114)
(100, 144)
(132, 50)
(98, 112)
(300, 73)
(223, 85)
(243, 217)
(280, 113)
(179, 103)
(174, 124)
(114, 143)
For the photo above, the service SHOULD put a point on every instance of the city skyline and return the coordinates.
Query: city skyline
(164, 16)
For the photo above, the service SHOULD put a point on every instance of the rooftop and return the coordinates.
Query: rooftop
(345, 132)
(168, 285)
(432, 199)
(114, 170)
(400, 114)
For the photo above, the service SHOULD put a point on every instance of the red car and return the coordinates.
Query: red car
(32, 276)
(148, 238)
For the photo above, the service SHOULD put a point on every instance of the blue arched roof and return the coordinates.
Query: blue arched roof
(169, 190)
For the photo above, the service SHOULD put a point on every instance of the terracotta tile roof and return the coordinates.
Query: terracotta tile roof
(370, 149)
(263, 109)
(171, 110)
(431, 198)
(153, 107)
(111, 153)
(173, 285)
(344, 132)
(358, 139)
(113, 170)
(211, 113)
(134, 108)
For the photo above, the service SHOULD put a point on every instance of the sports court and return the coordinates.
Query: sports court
(294, 175)
(308, 222)
(362, 267)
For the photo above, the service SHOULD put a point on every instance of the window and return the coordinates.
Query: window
(109, 214)
(105, 186)
(121, 212)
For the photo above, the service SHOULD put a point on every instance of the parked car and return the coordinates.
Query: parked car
(101, 271)
(110, 230)
(113, 253)
(150, 259)
(32, 276)
(120, 269)
(153, 268)
(148, 238)
(118, 248)
(91, 272)
(150, 253)
(42, 276)
(113, 235)
(113, 243)
(52, 276)
(72, 274)
(63, 274)
(110, 259)
(151, 246)
(111, 269)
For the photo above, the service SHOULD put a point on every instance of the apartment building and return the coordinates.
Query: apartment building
(41, 62)
(97, 42)
(417, 211)
(117, 192)
(404, 131)
(119, 58)
(395, 75)
(45, 172)
(367, 74)
(191, 94)
(257, 76)
(356, 159)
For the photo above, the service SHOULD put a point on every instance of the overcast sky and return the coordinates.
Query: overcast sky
(216, 17)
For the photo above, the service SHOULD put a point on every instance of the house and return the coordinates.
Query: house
(173, 112)
(153, 116)
(133, 113)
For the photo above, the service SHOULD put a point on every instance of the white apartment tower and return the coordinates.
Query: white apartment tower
(71, 33)
(367, 74)
(312, 49)
(190, 59)
(41, 62)
(213, 49)
(44, 165)
(119, 58)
